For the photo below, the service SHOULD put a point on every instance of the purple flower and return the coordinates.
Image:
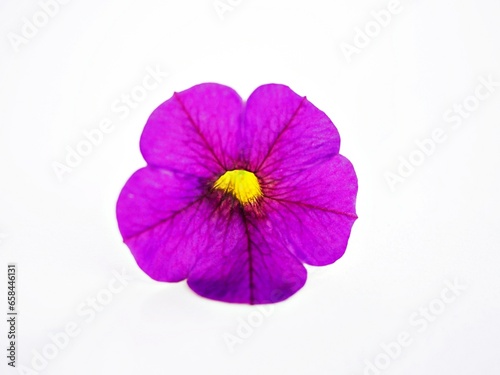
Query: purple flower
(237, 196)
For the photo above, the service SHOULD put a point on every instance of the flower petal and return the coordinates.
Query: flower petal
(313, 211)
(253, 267)
(159, 215)
(284, 131)
(195, 131)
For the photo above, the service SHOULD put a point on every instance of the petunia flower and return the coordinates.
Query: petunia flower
(236, 196)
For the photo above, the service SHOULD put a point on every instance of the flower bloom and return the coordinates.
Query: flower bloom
(236, 196)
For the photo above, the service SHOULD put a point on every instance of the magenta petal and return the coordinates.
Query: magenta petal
(313, 211)
(252, 265)
(158, 215)
(286, 131)
(195, 131)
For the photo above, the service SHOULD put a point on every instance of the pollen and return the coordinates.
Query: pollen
(242, 184)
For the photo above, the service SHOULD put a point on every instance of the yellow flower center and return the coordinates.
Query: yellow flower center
(243, 185)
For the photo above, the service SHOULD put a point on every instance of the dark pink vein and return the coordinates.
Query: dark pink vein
(198, 131)
(280, 134)
(250, 260)
(314, 207)
(170, 217)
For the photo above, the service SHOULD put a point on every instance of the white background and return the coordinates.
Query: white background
(441, 223)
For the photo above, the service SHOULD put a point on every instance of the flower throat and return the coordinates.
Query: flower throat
(242, 184)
